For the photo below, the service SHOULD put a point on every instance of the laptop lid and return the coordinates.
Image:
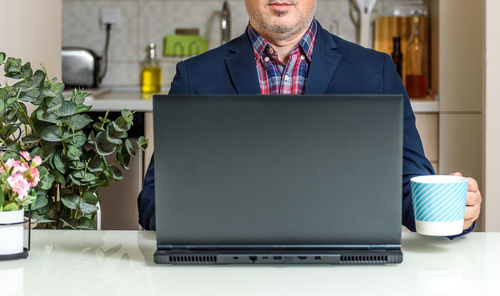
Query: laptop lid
(252, 170)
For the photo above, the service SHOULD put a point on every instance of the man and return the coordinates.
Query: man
(285, 51)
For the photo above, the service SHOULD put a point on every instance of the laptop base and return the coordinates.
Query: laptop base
(198, 257)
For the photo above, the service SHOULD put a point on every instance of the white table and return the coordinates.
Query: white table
(121, 263)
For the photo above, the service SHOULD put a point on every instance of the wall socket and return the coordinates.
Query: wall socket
(109, 16)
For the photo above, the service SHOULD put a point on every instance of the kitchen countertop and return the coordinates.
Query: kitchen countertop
(118, 100)
(68, 262)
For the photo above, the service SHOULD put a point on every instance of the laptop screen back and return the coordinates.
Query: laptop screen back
(278, 170)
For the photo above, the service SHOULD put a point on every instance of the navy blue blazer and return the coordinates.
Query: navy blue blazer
(337, 67)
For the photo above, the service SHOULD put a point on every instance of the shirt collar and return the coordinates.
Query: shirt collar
(260, 44)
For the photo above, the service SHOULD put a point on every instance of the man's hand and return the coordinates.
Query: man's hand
(473, 204)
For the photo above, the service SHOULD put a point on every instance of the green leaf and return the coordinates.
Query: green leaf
(122, 124)
(68, 223)
(112, 139)
(37, 151)
(77, 165)
(2, 57)
(10, 207)
(49, 93)
(38, 78)
(2, 194)
(83, 108)
(103, 146)
(58, 177)
(59, 162)
(75, 180)
(68, 108)
(129, 147)
(96, 165)
(51, 134)
(70, 201)
(31, 139)
(46, 182)
(78, 140)
(98, 127)
(88, 208)
(89, 178)
(54, 108)
(73, 153)
(104, 120)
(3, 94)
(26, 70)
(79, 96)
(86, 224)
(44, 115)
(58, 87)
(90, 198)
(115, 131)
(123, 157)
(41, 200)
(142, 143)
(80, 121)
(116, 173)
(127, 115)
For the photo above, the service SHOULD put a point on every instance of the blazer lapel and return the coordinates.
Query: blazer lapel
(240, 64)
(324, 62)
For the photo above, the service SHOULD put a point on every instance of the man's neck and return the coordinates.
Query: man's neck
(283, 45)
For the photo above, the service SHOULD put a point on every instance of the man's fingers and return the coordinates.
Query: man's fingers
(459, 174)
(472, 185)
(472, 212)
(473, 198)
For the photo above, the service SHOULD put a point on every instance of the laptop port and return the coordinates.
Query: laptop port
(277, 257)
(264, 257)
(236, 257)
(317, 257)
(302, 257)
(253, 258)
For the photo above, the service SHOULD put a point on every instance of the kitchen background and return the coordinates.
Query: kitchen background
(145, 21)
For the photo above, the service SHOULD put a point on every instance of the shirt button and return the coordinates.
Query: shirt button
(271, 50)
(302, 57)
(266, 59)
(287, 77)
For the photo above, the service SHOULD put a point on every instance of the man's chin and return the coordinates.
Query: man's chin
(281, 27)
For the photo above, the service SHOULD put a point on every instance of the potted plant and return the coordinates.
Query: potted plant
(79, 156)
(18, 178)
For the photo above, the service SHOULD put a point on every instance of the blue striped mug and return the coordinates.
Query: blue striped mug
(439, 204)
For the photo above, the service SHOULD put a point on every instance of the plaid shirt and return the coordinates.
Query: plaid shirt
(276, 77)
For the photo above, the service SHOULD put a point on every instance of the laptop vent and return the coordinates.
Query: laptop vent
(192, 259)
(363, 259)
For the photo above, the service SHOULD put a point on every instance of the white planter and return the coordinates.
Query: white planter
(11, 236)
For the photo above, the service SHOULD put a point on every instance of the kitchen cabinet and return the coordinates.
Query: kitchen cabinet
(461, 54)
(427, 126)
(491, 120)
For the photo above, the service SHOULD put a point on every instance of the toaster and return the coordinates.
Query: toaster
(80, 67)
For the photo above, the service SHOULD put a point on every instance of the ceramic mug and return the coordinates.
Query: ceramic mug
(439, 204)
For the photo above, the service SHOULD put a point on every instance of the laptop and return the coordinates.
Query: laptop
(252, 179)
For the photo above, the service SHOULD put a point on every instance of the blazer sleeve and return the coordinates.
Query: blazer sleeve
(414, 161)
(146, 199)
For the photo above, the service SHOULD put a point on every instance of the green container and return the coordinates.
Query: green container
(184, 45)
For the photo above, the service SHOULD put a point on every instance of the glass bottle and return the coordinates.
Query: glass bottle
(151, 72)
(416, 62)
(397, 57)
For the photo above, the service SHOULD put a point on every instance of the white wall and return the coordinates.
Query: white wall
(31, 30)
(492, 116)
